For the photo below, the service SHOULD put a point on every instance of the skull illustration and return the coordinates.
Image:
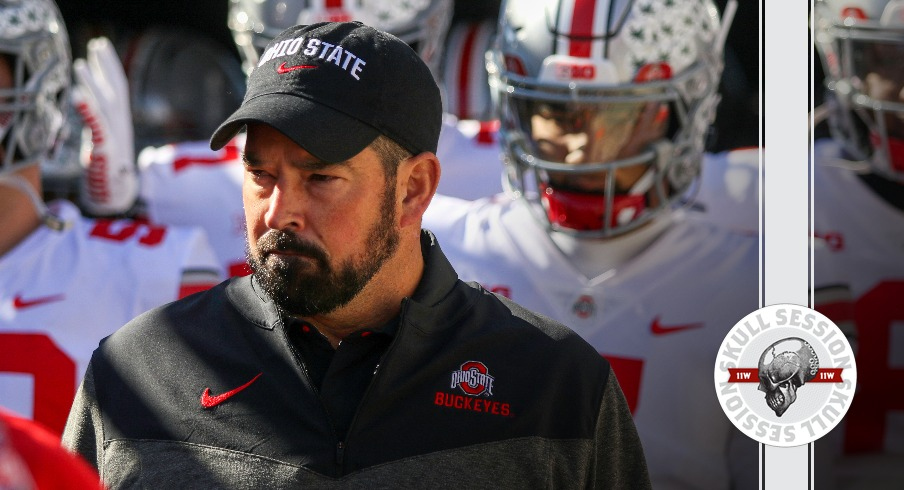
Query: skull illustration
(784, 367)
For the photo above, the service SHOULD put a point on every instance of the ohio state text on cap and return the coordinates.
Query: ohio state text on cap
(334, 87)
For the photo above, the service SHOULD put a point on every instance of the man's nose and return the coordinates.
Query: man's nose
(285, 207)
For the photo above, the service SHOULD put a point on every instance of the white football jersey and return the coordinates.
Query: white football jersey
(865, 238)
(659, 319)
(61, 292)
(470, 158)
(729, 192)
(190, 184)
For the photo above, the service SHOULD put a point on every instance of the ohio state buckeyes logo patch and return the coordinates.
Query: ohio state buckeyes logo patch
(584, 307)
(474, 379)
(785, 375)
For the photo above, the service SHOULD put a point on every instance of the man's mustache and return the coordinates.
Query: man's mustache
(281, 241)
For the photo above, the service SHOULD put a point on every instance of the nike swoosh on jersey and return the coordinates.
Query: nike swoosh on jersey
(281, 69)
(19, 303)
(208, 401)
(659, 329)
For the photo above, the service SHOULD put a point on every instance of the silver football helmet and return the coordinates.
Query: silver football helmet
(420, 23)
(34, 101)
(182, 85)
(35, 80)
(604, 105)
(861, 44)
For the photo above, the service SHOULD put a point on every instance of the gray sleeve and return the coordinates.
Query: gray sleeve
(618, 461)
(83, 433)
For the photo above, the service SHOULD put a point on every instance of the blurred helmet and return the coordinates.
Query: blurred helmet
(420, 23)
(464, 69)
(604, 105)
(861, 45)
(34, 90)
(182, 85)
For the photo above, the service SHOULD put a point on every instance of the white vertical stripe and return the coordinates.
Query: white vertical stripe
(600, 27)
(566, 13)
(785, 202)
(477, 79)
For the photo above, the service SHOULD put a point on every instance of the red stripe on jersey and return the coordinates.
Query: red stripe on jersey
(464, 70)
(582, 28)
(333, 4)
(229, 153)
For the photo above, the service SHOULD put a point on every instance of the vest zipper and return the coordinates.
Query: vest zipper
(340, 448)
(340, 454)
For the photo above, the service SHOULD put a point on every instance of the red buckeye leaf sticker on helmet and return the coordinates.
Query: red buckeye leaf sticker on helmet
(653, 71)
(854, 12)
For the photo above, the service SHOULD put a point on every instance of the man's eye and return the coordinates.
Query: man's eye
(258, 174)
(321, 177)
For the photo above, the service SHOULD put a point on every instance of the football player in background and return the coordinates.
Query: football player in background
(66, 281)
(729, 173)
(172, 97)
(188, 183)
(858, 210)
(603, 118)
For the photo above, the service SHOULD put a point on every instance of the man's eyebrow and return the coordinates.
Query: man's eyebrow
(249, 160)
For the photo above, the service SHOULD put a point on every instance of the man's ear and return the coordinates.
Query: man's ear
(418, 177)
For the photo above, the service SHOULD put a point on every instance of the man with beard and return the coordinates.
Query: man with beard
(353, 355)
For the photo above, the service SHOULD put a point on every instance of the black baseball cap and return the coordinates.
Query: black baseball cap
(333, 87)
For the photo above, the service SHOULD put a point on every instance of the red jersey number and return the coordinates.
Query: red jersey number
(122, 230)
(874, 314)
(628, 372)
(54, 374)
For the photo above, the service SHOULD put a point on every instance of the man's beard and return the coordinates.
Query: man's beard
(309, 285)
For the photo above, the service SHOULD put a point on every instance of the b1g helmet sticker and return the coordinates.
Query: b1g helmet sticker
(785, 375)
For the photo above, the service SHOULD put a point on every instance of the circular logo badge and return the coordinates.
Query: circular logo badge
(785, 375)
(473, 378)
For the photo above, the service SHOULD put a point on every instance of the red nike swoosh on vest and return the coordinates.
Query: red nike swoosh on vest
(286, 69)
(19, 303)
(658, 329)
(208, 401)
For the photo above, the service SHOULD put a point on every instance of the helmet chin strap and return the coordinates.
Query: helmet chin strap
(47, 217)
(580, 210)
